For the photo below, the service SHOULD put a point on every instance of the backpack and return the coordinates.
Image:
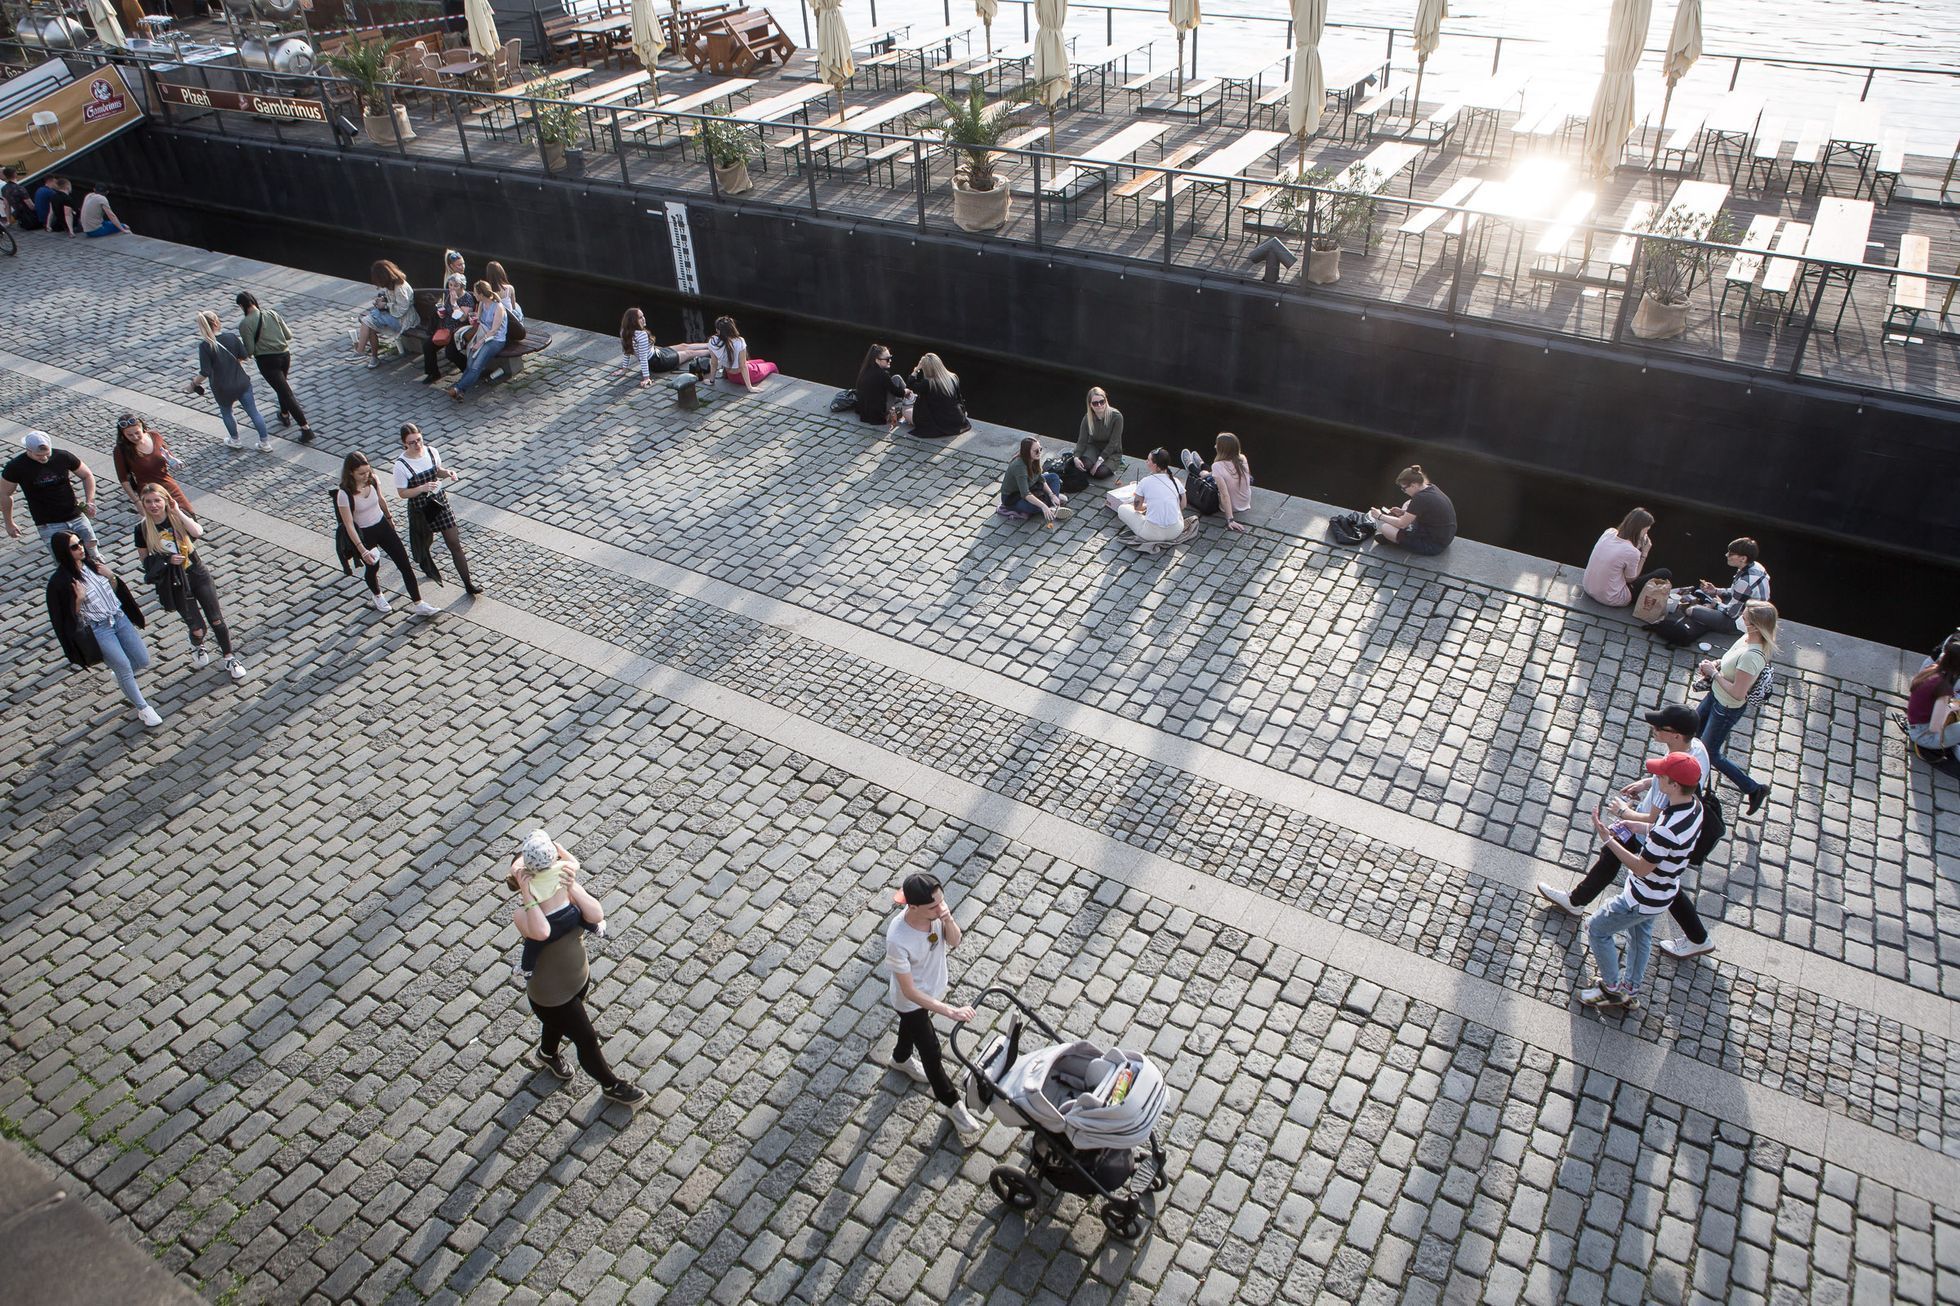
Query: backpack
(844, 401)
(1074, 479)
(1713, 827)
(1200, 489)
(1351, 529)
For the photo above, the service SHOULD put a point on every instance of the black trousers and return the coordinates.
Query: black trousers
(916, 1034)
(1607, 869)
(383, 538)
(273, 367)
(569, 1021)
(199, 593)
(431, 368)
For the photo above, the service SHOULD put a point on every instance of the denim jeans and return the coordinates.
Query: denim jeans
(80, 526)
(251, 411)
(480, 360)
(125, 652)
(1047, 489)
(1621, 917)
(1716, 723)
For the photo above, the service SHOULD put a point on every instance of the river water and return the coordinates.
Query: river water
(1571, 40)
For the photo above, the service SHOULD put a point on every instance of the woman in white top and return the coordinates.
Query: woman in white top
(392, 312)
(422, 482)
(1153, 508)
(1233, 476)
(370, 529)
(638, 344)
(731, 355)
(493, 272)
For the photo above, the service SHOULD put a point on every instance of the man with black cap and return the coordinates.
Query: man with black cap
(1675, 728)
(43, 472)
(916, 944)
(1655, 881)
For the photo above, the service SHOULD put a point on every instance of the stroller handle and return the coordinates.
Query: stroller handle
(979, 1003)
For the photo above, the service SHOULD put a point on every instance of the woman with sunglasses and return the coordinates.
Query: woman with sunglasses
(143, 458)
(96, 619)
(167, 541)
(421, 481)
(1099, 440)
(882, 397)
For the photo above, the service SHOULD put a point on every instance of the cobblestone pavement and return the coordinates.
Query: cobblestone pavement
(255, 964)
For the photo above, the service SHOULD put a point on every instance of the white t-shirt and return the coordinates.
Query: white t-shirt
(726, 353)
(365, 506)
(1650, 798)
(918, 953)
(1160, 500)
(406, 467)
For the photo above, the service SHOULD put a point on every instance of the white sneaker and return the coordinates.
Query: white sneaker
(231, 442)
(381, 603)
(235, 667)
(1560, 899)
(1682, 949)
(200, 656)
(148, 716)
(969, 1128)
(909, 1067)
(265, 444)
(423, 610)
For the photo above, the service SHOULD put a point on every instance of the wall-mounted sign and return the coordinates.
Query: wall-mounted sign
(46, 132)
(266, 106)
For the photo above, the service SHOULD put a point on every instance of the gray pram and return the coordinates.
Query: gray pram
(1091, 1111)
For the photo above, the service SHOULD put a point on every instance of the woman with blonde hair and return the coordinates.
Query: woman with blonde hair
(1099, 439)
(939, 409)
(221, 361)
(168, 540)
(1729, 684)
(391, 313)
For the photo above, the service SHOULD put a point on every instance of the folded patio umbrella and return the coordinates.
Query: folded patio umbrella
(1185, 18)
(1309, 94)
(1683, 48)
(648, 40)
(1612, 106)
(484, 41)
(834, 63)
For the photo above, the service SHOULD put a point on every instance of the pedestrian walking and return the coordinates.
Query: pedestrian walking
(370, 531)
(270, 343)
(96, 619)
(143, 457)
(421, 481)
(550, 883)
(916, 946)
(167, 541)
(1635, 809)
(558, 986)
(1729, 684)
(221, 361)
(42, 473)
(1655, 879)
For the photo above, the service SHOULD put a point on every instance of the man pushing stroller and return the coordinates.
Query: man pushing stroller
(916, 944)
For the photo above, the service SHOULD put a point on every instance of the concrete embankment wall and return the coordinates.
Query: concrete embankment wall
(1819, 458)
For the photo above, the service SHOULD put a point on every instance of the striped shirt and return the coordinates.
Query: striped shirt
(1667, 846)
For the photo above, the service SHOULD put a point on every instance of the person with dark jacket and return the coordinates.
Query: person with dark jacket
(268, 341)
(221, 361)
(452, 312)
(96, 619)
(1099, 440)
(169, 541)
(16, 200)
(881, 394)
(938, 409)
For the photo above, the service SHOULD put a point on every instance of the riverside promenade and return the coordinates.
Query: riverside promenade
(1269, 810)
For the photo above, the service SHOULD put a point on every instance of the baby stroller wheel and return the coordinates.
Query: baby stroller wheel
(1013, 1187)
(1122, 1216)
(1158, 1183)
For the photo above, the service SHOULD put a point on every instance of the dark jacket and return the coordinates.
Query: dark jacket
(877, 389)
(934, 412)
(78, 643)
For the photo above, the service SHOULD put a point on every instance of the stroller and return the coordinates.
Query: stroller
(1092, 1113)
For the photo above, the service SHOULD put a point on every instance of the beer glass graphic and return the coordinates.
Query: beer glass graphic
(44, 129)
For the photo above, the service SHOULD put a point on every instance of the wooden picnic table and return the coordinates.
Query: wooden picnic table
(1386, 161)
(595, 34)
(1076, 174)
(1856, 128)
(662, 113)
(1733, 120)
(1223, 164)
(1102, 61)
(1839, 232)
(1699, 202)
(781, 106)
(495, 102)
(608, 91)
(857, 118)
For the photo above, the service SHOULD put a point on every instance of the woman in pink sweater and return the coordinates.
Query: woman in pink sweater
(1613, 573)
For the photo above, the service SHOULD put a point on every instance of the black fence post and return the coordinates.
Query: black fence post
(919, 178)
(1036, 200)
(1810, 321)
(462, 136)
(810, 168)
(619, 148)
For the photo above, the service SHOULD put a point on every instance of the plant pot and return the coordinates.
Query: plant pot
(1324, 265)
(386, 129)
(1655, 320)
(734, 179)
(561, 158)
(979, 210)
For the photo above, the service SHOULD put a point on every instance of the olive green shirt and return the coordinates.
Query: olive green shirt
(264, 332)
(1101, 439)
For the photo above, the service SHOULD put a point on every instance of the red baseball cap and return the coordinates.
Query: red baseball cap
(1678, 767)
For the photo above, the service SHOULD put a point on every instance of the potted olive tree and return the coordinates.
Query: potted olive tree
(1670, 270)
(1345, 208)
(729, 147)
(557, 121)
(365, 64)
(972, 128)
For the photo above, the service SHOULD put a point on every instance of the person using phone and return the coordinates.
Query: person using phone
(917, 942)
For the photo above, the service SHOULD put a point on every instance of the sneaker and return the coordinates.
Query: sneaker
(381, 603)
(306, 434)
(235, 668)
(200, 656)
(909, 1067)
(1604, 998)
(1757, 799)
(423, 610)
(1560, 899)
(265, 444)
(1682, 949)
(555, 1063)
(969, 1128)
(148, 716)
(374, 361)
(630, 1096)
(231, 442)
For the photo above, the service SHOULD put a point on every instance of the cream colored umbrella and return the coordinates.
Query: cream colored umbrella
(108, 29)
(1309, 94)
(1185, 18)
(1428, 34)
(1051, 75)
(1612, 106)
(835, 67)
(988, 10)
(1683, 48)
(648, 40)
(484, 42)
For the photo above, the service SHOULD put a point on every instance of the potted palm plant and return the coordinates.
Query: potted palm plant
(365, 64)
(729, 147)
(1669, 269)
(972, 128)
(1345, 209)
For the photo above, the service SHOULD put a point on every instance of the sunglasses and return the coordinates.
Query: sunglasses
(78, 547)
(1099, 403)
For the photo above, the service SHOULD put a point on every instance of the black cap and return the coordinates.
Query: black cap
(918, 891)
(1678, 717)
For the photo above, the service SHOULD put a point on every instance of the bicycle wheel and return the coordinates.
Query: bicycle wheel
(7, 245)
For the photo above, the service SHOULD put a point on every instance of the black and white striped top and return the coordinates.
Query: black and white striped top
(1667, 846)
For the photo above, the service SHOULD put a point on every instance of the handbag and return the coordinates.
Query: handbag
(844, 401)
(441, 336)
(1651, 603)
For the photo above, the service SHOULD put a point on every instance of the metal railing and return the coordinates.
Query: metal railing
(1209, 250)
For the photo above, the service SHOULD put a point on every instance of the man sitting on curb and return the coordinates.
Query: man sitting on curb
(1655, 880)
(916, 944)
